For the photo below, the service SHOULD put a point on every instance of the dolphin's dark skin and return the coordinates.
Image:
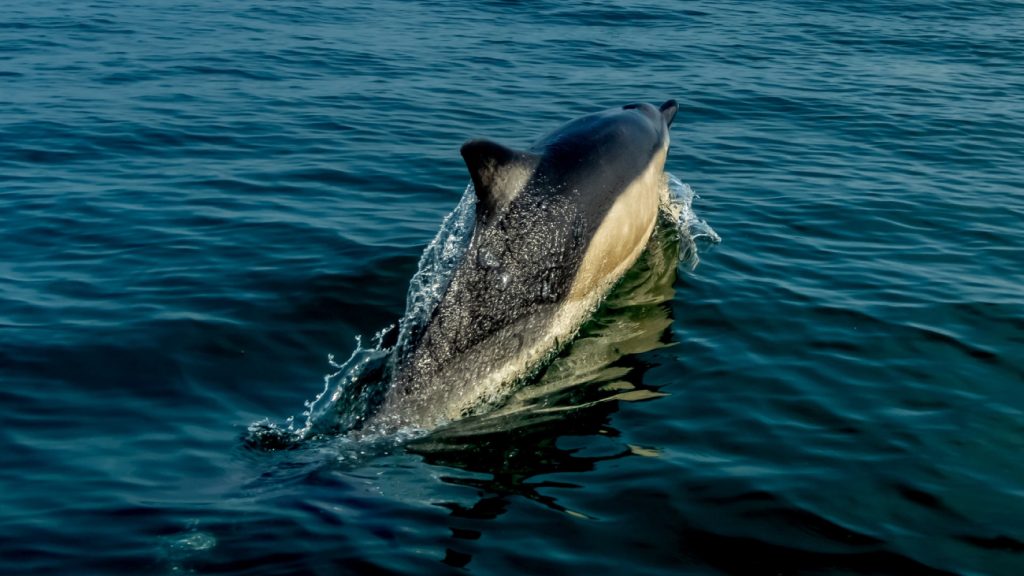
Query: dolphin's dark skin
(556, 226)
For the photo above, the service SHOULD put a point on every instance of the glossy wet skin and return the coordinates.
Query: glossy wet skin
(595, 157)
(533, 256)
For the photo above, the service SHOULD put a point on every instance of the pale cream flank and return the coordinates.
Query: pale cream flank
(617, 244)
(622, 236)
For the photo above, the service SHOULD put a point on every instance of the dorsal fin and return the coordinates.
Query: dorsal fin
(668, 111)
(498, 174)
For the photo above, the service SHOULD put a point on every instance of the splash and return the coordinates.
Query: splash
(435, 271)
(355, 388)
(694, 233)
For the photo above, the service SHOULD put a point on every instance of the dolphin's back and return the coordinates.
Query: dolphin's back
(556, 225)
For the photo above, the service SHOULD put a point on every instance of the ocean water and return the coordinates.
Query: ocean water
(204, 204)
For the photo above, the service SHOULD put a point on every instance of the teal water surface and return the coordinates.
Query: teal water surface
(201, 201)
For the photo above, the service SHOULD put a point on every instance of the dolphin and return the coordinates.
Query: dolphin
(556, 226)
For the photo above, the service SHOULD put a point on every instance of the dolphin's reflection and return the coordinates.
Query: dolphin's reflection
(574, 396)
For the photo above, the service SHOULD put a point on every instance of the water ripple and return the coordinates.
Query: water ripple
(200, 202)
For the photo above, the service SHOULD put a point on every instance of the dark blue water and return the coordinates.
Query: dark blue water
(200, 201)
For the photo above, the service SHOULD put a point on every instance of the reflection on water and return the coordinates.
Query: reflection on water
(576, 393)
(596, 367)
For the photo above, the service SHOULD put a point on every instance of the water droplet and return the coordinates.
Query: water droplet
(487, 260)
(195, 542)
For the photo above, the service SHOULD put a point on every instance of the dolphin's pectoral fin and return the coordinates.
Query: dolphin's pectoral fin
(498, 174)
(668, 111)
